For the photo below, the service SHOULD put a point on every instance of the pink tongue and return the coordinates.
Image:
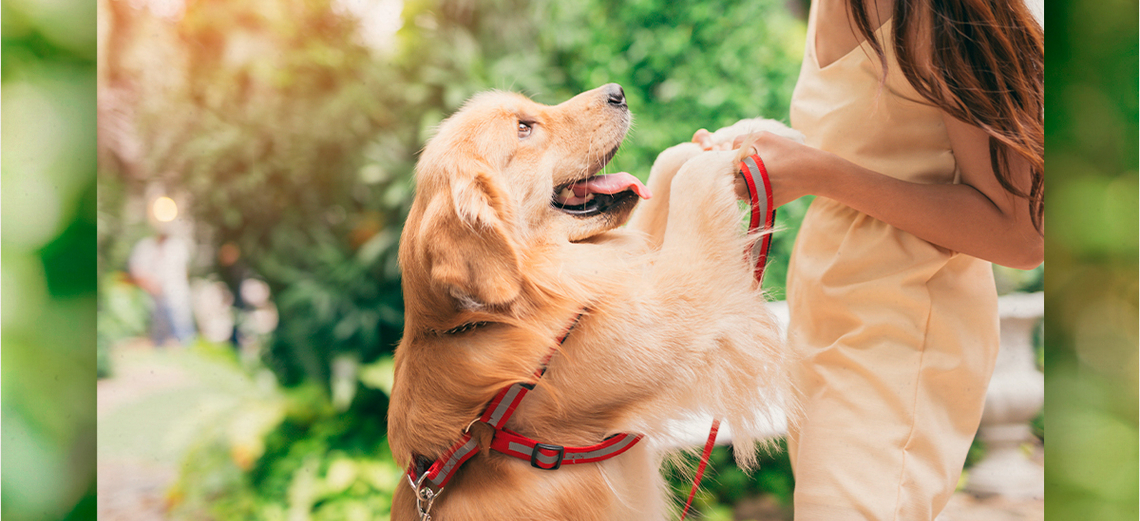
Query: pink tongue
(611, 184)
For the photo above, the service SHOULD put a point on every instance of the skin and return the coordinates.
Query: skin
(976, 217)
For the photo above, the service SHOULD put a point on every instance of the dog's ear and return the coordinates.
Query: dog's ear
(472, 253)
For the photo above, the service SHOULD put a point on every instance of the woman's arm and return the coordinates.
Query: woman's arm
(976, 217)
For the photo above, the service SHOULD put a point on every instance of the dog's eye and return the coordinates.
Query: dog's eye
(524, 130)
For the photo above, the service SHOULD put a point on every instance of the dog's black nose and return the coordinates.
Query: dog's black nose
(615, 95)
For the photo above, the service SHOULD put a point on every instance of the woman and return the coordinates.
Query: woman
(925, 174)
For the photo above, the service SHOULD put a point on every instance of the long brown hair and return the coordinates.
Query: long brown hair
(987, 67)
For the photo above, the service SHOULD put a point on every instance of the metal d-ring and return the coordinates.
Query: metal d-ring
(425, 496)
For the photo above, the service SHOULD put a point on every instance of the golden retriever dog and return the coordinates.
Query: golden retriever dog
(510, 237)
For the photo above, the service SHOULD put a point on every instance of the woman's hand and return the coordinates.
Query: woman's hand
(792, 167)
(787, 162)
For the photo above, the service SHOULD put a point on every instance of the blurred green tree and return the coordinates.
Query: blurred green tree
(267, 134)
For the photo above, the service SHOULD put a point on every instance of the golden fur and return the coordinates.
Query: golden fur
(673, 323)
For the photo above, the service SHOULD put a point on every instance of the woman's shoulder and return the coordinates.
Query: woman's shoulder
(834, 29)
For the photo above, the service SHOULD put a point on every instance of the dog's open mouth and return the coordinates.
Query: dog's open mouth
(598, 193)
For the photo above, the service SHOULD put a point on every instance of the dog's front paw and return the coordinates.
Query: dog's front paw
(751, 126)
(704, 189)
(650, 216)
(669, 162)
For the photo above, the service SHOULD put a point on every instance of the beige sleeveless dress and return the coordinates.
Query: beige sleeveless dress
(897, 336)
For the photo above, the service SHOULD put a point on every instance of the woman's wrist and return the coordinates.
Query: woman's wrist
(822, 171)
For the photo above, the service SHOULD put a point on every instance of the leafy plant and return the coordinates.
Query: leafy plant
(287, 453)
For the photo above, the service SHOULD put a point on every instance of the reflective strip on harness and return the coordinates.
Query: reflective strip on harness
(504, 404)
(444, 468)
(549, 457)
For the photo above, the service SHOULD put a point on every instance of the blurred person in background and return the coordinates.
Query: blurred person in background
(158, 265)
(234, 270)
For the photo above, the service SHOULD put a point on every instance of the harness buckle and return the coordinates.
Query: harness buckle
(534, 454)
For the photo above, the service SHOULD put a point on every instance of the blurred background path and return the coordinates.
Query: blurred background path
(148, 412)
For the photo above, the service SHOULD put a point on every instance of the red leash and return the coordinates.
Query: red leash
(701, 467)
(763, 214)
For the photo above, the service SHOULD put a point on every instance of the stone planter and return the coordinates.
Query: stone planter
(1015, 396)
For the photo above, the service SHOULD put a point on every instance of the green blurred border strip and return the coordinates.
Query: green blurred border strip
(55, 43)
(1091, 285)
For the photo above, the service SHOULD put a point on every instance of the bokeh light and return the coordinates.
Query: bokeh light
(164, 209)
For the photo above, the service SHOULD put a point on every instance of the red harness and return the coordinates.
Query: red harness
(429, 477)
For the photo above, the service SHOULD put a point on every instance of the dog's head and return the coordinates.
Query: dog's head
(503, 176)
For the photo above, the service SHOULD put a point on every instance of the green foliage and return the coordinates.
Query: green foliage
(115, 235)
(684, 66)
(726, 484)
(286, 454)
(1038, 425)
(788, 220)
(1009, 280)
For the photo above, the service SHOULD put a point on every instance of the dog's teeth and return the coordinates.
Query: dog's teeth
(588, 198)
(566, 193)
